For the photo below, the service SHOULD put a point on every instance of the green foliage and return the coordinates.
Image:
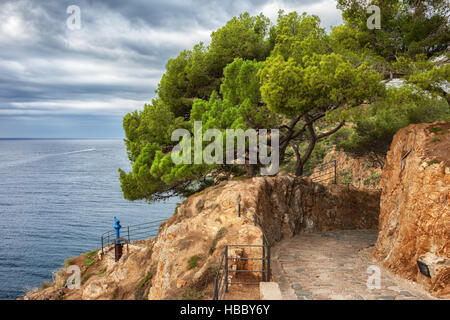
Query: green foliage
(377, 124)
(242, 37)
(431, 162)
(196, 74)
(193, 262)
(342, 135)
(408, 27)
(321, 82)
(298, 36)
(91, 254)
(241, 106)
(89, 262)
(433, 79)
(101, 272)
(374, 179)
(436, 129)
(346, 177)
(187, 78)
(144, 281)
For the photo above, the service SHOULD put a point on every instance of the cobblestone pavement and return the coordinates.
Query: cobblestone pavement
(334, 265)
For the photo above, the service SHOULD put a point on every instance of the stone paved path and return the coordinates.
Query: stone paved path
(333, 265)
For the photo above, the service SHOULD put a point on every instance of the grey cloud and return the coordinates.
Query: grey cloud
(112, 65)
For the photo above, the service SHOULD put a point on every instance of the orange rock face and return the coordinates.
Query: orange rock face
(414, 208)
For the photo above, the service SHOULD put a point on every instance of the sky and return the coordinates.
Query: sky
(61, 82)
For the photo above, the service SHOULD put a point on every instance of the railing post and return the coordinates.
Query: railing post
(263, 276)
(215, 294)
(226, 268)
(335, 171)
(268, 263)
(239, 205)
(239, 208)
(102, 246)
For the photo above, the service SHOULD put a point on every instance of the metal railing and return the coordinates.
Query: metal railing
(132, 233)
(222, 282)
(325, 172)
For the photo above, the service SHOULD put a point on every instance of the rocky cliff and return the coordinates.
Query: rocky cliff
(181, 262)
(414, 217)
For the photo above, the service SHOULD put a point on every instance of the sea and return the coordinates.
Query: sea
(56, 199)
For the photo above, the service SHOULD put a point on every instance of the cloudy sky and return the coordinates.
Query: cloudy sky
(61, 83)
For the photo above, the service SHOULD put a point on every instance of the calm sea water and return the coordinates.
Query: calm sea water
(56, 198)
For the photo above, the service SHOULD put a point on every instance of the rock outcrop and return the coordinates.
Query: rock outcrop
(182, 261)
(414, 216)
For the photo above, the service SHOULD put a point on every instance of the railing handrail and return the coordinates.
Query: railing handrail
(325, 167)
(132, 232)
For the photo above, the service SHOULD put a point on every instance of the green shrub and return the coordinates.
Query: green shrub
(340, 136)
(144, 281)
(91, 254)
(435, 129)
(347, 176)
(374, 179)
(376, 125)
(89, 262)
(101, 272)
(193, 262)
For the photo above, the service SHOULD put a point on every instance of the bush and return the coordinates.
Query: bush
(89, 262)
(101, 272)
(144, 281)
(376, 125)
(193, 262)
(347, 176)
(374, 179)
